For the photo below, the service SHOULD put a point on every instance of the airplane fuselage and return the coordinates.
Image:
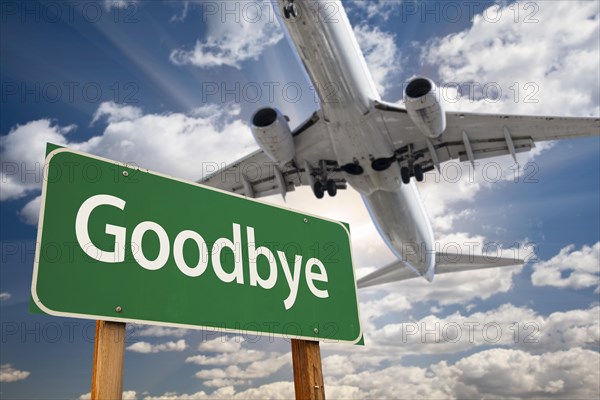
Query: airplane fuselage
(325, 41)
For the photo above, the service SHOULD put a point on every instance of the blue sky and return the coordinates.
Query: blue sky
(170, 85)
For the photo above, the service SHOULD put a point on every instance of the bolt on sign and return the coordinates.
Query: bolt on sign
(125, 244)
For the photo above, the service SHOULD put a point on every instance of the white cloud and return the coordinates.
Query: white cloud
(337, 365)
(505, 326)
(30, 214)
(9, 374)
(158, 331)
(571, 268)
(257, 369)
(222, 344)
(275, 390)
(554, 61)
(381, 54)
(175, 143)
(224, 383)
(242, 356)
(494, 373)
(368, 9)
(22, 153)
(500, 373)
(233, 39)
(116, 112)
(146, 348)
(109, 4)
(4, 296)
(183, 14)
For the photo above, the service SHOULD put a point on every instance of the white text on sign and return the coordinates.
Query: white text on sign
(314, 270)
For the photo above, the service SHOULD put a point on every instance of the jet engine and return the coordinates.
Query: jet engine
(273, 134)
(424, 108)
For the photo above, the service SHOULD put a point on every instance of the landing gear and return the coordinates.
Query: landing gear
(325, 178)
(318, 190)
(331, 188)
(405, 174)
(418, 170)
(290, 10)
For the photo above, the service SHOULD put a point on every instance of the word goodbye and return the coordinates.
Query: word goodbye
(314, 270)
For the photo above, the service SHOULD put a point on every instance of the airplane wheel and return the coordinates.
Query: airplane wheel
(419, 173)
(290, 11)
(331, 188)
(405, 174)
(319, 190)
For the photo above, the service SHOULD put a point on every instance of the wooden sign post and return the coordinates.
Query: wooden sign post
(308, 371)
(109, 350)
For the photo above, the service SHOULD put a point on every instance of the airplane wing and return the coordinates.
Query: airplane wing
(256, 175)
(444, 263)
(472, 136)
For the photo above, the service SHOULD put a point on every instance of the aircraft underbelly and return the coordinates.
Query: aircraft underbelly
(404, 225)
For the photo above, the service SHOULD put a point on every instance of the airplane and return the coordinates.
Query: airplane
(378, 148)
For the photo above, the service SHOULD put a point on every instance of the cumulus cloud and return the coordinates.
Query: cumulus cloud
(147, 348)
(175, 142)
(337, 365)
(233, 39)
(505, 326)
(275, 390)
(369, 9)
(571, 268)
(31, 212)
(116, 112)
(381, 54)
(556, 79)
(222, 344)
(243, 356)
(9, 374)
(263, 368)
(158, 331)
(494, 373)
(22, 153)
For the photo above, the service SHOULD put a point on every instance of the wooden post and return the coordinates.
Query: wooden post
(109, 349)
(308, 371)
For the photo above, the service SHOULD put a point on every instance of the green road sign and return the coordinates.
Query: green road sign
(124, 244)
